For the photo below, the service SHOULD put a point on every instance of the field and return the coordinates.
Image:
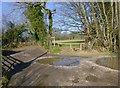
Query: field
(68, 42)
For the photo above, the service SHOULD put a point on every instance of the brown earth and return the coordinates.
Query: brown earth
(35, 74)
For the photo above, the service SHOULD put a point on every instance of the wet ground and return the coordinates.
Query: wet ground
(86, 73)
(60, 60)
(111, 62)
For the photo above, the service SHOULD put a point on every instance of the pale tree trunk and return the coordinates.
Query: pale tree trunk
(112, 26)
(117, 27)
(108, 29)
(102, 24)
(86, 22)
(49, 13)
(96, 23)
(114, 36)
(118, 15)
(112, 14)
(98, 27)
(82, 10)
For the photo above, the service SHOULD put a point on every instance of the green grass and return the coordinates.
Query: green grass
(55, 49)
(69, 41)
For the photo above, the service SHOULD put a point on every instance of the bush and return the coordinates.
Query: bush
(4, 80)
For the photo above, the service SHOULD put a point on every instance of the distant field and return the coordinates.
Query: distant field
(70, 41)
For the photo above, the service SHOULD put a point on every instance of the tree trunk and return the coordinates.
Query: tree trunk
(86, 24)
(108, 29)
(112, 27)
(96, 23)
(102, 24)
(119, 28)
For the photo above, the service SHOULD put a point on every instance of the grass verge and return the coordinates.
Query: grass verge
(55, 49)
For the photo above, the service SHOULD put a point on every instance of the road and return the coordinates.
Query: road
(35, 74)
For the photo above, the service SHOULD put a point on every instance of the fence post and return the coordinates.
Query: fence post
(54, 40)
(80, 46)
(71, 46)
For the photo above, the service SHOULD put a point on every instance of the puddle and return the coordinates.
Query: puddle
(48, 60)
(111, 62)
(61, 61)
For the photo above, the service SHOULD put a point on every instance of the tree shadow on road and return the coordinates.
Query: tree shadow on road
(9, 52)
(12, 65)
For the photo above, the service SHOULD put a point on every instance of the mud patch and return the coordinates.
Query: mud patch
(92, 78)
(75, 80)
(111, 62)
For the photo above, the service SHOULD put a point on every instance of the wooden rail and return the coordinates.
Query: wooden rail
(69, 42)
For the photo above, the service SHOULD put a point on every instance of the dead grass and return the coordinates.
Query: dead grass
(84, 53)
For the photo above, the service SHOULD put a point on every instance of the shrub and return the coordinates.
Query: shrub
(4, 80)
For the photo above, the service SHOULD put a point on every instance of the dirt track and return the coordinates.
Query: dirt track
(86, 74)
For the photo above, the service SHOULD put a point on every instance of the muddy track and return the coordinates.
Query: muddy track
(36, 74)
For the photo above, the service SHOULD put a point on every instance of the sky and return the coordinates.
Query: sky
(9, 13)
(16, 16)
